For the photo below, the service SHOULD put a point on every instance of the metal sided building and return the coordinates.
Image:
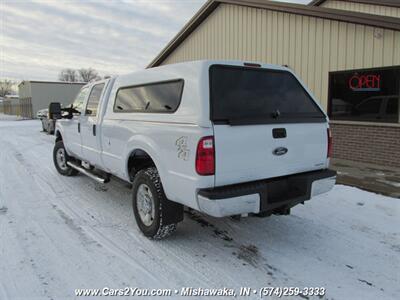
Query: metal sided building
(346, 52)
(37, 95)
(11, 105)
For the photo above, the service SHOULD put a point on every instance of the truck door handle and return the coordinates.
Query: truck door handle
(94, 129)
(79, 127)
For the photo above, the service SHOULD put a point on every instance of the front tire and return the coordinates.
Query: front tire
(60, 158)
(150, 203)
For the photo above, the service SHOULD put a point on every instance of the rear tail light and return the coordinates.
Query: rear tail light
(330, 146)
(205, 156)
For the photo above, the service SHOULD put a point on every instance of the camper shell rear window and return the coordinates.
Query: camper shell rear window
(250, 95)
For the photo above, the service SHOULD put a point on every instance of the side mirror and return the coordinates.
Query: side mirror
(71, 112)
(54, 110)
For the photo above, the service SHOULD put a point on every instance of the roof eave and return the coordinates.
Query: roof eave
(190, 26)
(391, 3)
(316, 2)
(327, 13)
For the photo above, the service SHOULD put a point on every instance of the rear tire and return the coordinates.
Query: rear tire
(149, 204)
(60, 159)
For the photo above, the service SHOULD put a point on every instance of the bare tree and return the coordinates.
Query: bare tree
(68, 75)
(6, 87)
(89, 74)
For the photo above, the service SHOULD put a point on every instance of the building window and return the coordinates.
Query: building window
(369, 95)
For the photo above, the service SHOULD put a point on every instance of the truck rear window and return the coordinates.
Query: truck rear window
(243, 95)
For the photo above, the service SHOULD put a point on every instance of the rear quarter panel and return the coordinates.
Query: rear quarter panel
(171, 146)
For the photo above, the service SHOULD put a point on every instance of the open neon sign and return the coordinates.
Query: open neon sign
(365, 83)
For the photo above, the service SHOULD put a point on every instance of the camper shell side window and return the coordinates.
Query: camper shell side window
(157, 97)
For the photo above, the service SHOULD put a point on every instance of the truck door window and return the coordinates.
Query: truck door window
(161, 97)
(80, 99)
(94, 99)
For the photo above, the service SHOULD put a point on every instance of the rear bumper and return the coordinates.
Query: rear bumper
(265, 195)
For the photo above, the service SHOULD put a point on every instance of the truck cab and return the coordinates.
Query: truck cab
(81, 131)
(222, 137)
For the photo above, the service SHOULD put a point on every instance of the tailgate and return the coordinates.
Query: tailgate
(266, 124)
(248, 153)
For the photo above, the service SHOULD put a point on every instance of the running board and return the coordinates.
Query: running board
(88, 173)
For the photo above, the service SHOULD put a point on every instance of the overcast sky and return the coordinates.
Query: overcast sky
(39, 38)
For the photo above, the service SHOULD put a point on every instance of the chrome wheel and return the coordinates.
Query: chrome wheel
(145, 204)
(61, 159)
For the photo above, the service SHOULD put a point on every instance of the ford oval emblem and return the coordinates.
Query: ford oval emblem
(280, 151)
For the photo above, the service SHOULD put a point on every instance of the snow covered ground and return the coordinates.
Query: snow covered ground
(61, 233)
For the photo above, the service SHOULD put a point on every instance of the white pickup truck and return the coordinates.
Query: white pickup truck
(221, 137)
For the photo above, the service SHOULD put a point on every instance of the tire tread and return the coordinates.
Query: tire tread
(163, 231)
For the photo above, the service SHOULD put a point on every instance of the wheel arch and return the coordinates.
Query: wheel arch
(138, 159)
(172, 212)
(139, 146)
(58, 135)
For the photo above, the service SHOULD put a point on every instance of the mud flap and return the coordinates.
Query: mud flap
(172, 212)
